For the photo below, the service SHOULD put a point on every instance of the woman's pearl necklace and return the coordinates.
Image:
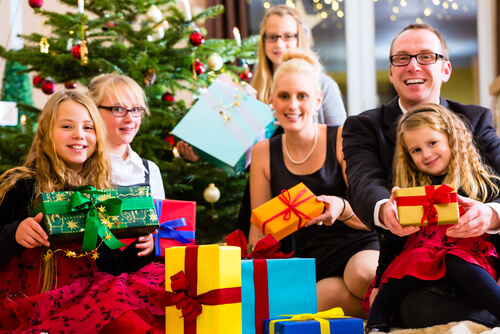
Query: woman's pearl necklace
(310, 153)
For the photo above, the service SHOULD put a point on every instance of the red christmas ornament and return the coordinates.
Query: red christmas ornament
(199, 67)
(168, 97)
(107, 26)
(36, 3)
(70, 85)
(48, 86)
(196, 38)
(75, 51)
(37, 81)
(246, 75)
(170, 139)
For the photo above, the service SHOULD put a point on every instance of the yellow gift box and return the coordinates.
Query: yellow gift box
(203, 285)
(286, 213)
(429, 205)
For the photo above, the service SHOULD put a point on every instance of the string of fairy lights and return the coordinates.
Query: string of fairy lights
(440, 9)
(333, 10)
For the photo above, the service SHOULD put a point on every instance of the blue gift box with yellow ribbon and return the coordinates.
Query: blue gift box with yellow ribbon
(224, 124)
(327, 322)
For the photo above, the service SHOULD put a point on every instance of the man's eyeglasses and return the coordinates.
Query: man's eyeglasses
(122, 112)
(284, 37)
(422, 59)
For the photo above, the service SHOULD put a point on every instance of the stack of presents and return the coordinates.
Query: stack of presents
(224, 289)
(209, 288)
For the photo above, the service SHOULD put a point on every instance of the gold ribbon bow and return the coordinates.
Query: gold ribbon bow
(321, 317)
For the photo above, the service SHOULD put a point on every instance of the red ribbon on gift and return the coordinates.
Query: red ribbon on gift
(185, 296)
(265, 248)
(261, 287)
(291, 207)
(441, 195)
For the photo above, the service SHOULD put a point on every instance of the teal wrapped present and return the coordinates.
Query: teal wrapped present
(273, 287)
(327, 322)
(223, 126)
(84, 213)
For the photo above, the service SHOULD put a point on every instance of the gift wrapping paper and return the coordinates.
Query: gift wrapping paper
(209, 269)
(224, 124)
(342, 325)
(286, 213)
(270, 288)
(67, 213)
(428, 205)
(171, 233)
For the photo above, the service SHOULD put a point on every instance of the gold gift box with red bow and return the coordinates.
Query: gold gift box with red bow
(428, 205)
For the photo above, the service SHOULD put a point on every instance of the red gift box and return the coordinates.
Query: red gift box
(172, 210)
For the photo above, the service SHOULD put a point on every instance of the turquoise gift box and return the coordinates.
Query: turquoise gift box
(337, 326)
(224, 124)
(273, 287)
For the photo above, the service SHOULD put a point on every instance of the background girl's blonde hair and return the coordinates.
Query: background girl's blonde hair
(263, 73)
(118, 88)
(299, 60)
(49, 170)
(466, 169)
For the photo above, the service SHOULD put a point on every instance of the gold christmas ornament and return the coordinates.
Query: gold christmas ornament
(84, 52)
(211, 194)
(215, 61)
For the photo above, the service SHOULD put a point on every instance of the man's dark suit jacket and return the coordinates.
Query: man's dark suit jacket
(368, 146)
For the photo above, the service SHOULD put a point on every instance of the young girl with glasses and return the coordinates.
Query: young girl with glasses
(122, 104)
(281, 30)
(434, 146)
(104, 292)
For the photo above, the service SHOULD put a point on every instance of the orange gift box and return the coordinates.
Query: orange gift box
(427, 206)
(286, 213)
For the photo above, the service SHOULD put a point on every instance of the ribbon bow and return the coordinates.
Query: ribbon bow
(191, 305)
(93, 226)
(167, 230)
(440, 195)
(265, 248)
(291, 207)
(335, 312)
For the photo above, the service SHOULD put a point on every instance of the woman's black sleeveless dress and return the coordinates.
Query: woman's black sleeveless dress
(331, 246)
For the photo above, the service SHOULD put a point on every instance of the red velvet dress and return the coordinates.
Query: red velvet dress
(424, 252)
(83, 298)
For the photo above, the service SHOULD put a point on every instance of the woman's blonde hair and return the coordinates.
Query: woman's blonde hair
(299, 60)
(49, 170)
(119, 88)
(263, 73)
(466, 169)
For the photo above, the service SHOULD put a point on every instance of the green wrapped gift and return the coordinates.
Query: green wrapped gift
(84, 213)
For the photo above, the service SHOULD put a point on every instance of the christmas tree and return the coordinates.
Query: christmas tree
(163, 49)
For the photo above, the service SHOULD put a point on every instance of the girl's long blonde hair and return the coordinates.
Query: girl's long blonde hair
(49, 170)
(466, 169)
(263, 73)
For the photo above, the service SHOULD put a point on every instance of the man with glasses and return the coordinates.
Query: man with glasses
(419, 64)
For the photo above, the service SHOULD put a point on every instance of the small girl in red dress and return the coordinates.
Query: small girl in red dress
(60, 294)
(434, 146)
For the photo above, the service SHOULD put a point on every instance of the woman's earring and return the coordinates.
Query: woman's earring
(274, 112)
(315, 114)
